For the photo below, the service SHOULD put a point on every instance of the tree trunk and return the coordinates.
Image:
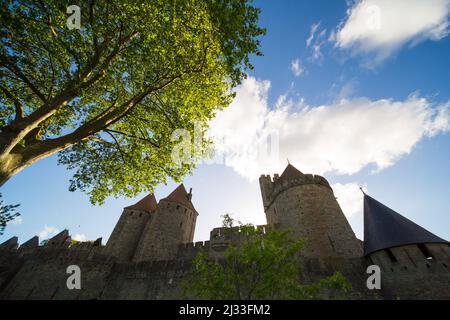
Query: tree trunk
(8, 168)
(4, 175)
(13, 163)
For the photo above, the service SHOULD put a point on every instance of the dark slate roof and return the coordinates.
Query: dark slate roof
(291, 172)
(180, 195)
(148, 203)
(384, 228)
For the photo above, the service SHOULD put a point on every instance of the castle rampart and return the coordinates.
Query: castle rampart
(149, 254)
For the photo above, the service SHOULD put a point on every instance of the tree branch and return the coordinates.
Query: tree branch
(91, 22)
(16, 102)
(132, 136)
(44, 148)
(161, 103)
(117, 145)
(7, 63)
(22, 128)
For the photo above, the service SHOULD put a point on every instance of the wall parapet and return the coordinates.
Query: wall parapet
(280, 185)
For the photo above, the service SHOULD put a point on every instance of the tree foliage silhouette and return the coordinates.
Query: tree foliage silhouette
(108, 96)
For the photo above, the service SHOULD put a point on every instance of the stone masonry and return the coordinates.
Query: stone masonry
(149, 252)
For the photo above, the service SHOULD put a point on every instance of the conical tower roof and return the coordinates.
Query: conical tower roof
(384, 228)
(180, 195)
(291, 171)
(148, 203)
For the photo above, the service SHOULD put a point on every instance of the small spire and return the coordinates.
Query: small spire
(190, 194)
(288, 160)
(360, 188)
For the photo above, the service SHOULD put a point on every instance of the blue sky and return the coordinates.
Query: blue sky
(362, 104)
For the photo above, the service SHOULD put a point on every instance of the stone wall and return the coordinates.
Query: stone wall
(40, 273)
(407, 272)
(149, 255)
(127, 233)
(172, 225)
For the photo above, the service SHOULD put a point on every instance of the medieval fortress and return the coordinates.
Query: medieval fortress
(149, 251)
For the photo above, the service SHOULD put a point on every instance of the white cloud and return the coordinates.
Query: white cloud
(47, 232)
(16, 221)
(79, 237)
(342, 138)
(350, 198)
(296, 67)
(316, 40)
(314, 28)
(383, 26)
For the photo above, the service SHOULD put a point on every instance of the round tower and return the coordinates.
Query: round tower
(413, 261)
(126, 235)
(173, 224)
(305, 204)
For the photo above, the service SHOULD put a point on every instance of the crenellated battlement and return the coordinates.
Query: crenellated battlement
(150, 251)
(220, 239)
(61, 245)
(196, 245)
(271, 187)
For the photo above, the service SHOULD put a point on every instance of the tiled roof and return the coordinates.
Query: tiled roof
(180, 195)
(148, 203)
(291, 171)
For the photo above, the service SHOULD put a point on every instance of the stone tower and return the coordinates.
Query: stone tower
(305, 204)
(173, 224)
(126, 235)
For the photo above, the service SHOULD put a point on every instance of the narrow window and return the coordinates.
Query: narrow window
(140, 214)
(275, 210)
(427, 254)
(178, 207)
(391, 255)
(181, 223)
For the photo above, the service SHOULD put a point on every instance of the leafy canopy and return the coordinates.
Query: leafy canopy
(108, 96)
(259, 265)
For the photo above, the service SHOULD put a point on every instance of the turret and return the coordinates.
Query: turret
(173, 224)
(265, 183)
(305, 204)
(406, 253)
(128, 231)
